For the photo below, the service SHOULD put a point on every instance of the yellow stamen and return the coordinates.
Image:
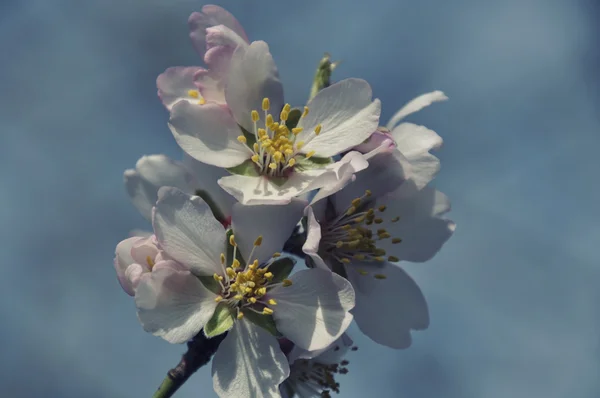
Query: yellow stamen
(299, 144)
(242, 139)
(266, 104)
(258, 240)
(252, 300)
(318, 129)
(238, 297)
(287, 108)
(393, 258)
(272, 302)
(267, 311)
(380, 276)
(297, 130)
(240, 315)
(286, 283)
(201, 101)
(194, 93)
(291, 162)
(218, 299)
(255, 116)
(310, 154)
(269, 275)
(276, 254)
(283, 116)
(222, 258)
(150, 262)
(255, 158)
(273, 166)
(363, 272)
(269, 120)
(396, 240)
(232, 241)
(305, 113)
(235, 264)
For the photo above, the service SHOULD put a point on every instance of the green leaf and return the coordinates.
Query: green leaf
(212, 204)
(313, 163)
(250, 138)
(211, 284)
(248, 168)
(281, 268)
(229, 251)
(221, 321)
(293, 118)
(264, 321)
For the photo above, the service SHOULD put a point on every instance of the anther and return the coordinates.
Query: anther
(258, 240)
(222, 258)
(305, 113)
(351, 211)
(269, 120)
(194, 93)
(286, 283)
(382, 208)
(283, 115)
(255, 116)
(235, 263)
(272, 165)
(318, 129)
(345, 260)
(297, 130)
(272, 302)
(269, 275)
(363, 272)
(242, 139)
(379, 259)
(356, 202)
(368, 193)
(267, 311)
(238, 297)
(232, 241)
(291, 162)
(287, 108)
(299, 144)
(202, 101)
(266, 104)
(277, 254)
(378, 220)
(252, 300)
(393, 259)
(255, 159)
(240, 315)
(396, 240)
(218, 299)
(380, 276)
(395, 219)
(310, 154)
(149, 261)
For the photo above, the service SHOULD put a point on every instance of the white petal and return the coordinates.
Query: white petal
(208, 133)
(346, 168)
(173, 304)
(330, 355)
(388, 309)
(187, 230)
(347, 114)
(122, 261)
(274, 222)
(415, 142)
(210, 83)
(252, 77)
(249, 363)
(313, 311)
(420, 227)
(416, 105)
(313, 239)
(175, 83)
(152, 172)
(206, 176)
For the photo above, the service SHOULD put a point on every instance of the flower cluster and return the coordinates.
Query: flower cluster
(261, 180)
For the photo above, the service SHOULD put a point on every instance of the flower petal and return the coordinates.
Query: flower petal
(388, 309)
(209, 82)
(415, 142)
(208, 133)
(420, 227)
(173, 304)
(350, 164)
(206, 176)
(143, 249)
(416, 105)
(211, 15)
(252, 77)
(123, 260)
(275, 223)
(313, 311)
(187, 230)
(330, 355)
(175, 84)
(249, 363)
(313, 239)
(347, 114)
(151, 173)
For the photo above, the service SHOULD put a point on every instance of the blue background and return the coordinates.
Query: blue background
(513, 295)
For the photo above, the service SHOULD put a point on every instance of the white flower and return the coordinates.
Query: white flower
(362, 230)
(272, 157)
(310, 308)
(155, 171)
(413, 141)
(313, 374)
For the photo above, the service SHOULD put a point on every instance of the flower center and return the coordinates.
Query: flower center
(319, 377)
(354, 235)
(195, 94)
(276, 149)
(246, 287)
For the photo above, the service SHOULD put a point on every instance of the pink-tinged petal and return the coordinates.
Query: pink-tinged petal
(249, 363)
(211, 15)
(173, 304)
(151, 173)
(122, 261)
(252, 77)
(347, 115)
(144, 249)
(176, 84)
(221, 42)
(388, 309)
(206, 176)
(386, 172)
(313, 311)
(223, 36)
(210, 83)
(416, 105)
(420, 226)
(346, 168)
(135, 272)
(275, 223)
(415, 142)
(313, 239)
(375, 141)
(188, 232)
(208, 133)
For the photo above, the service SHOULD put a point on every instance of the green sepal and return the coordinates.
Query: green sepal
(281, 268)
(264, 321)
(229, 251)
(247, 168)
(212, 204)
(279, 181)
(293, 118)
(313, 162)
(250, 138)
(211, 284)
(221, 321)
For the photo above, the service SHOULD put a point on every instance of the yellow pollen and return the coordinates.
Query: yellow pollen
(318, 129)
(269, 275)
(248, 290)
(252, 300)
(395, 219)
(238, 297)
(363, 272)
(273, 165)
(378, 220)
(255, 147)
(283, 115)
(272, 302)
(310, 154)
(202, 101)
(351, 211)
(255, 116)
(380, 276)
(222, 258)
(194, 93)
(258, 240)
(339, 244)
(242, 139)
(269, 120)
(396, 240)
(359, 256)
(368, 193)
(297, 130)
(345, 260)
(287, 282)
(393, 258)
(267, 311)
(266, 104)
(291, 162)
(299, 144)
(253, 266)
(287, 108)
(235, 264)
(217, 277)
(232, 241)
(277, 156)
(149, 261)
(356, 202)
(262, 133)
(382, 207)
(218, 299)
(379, 259)
(255, 158)
(240, 315)
(261, 291)
(305, 113)
(276, 254)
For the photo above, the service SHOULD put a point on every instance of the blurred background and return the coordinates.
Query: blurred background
(513, 295)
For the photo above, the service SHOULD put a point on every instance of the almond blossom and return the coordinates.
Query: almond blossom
(237, 282)
(215, 34)
(274, 152)
(362, 231)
